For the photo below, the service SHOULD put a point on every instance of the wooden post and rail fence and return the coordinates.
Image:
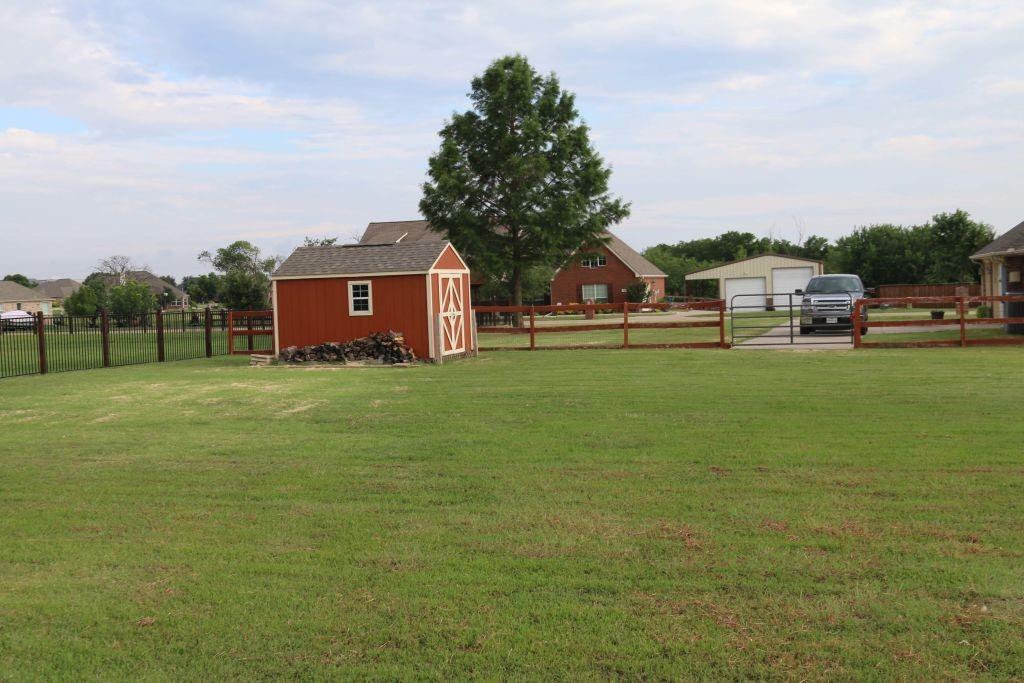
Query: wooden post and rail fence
(962, 321)
(550, 325)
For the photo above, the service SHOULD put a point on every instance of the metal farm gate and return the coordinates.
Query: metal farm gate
(777, 319)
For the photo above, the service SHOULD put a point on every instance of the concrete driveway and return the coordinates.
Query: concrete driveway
(778, 339)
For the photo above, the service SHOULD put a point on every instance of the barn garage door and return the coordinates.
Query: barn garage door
(787, 281)
(749, 293)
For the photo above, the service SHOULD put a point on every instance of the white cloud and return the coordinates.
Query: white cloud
(716, 114)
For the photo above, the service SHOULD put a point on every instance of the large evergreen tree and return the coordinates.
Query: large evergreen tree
(516, 182)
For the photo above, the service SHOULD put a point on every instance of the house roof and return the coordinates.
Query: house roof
(410, 232)
(401, 232)
(750, 258)
(633, 260)
(58, 289)
(154, 283)
(1010, 242)
(360, 259)
(12, 291)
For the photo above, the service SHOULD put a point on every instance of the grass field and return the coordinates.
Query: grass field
(591, 514)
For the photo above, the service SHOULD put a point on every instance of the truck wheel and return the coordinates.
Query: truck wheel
(863, 331)
(806, 330)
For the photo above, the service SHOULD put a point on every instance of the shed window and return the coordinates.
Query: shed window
(360, 298)
(597, 293)
(596, 261)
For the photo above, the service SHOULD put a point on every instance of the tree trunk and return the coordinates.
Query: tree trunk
(517, 292)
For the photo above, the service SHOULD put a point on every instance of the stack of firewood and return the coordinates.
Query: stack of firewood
(380, 347)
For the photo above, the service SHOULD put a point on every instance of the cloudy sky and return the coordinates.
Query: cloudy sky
(160, 129)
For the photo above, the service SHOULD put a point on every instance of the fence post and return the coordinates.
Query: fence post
(249, 328)
(231, 332)
(533, 329)
(625, 324)
(962, 305)
(855, 323)
(208, 331)
(721, 323)
(105, 337)
(160, 355)
(473, 333)
(41, 339)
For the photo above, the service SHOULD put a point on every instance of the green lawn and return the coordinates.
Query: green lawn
(591, 514)
(937, 334)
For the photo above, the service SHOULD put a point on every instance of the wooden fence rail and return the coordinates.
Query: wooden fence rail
(249, 325)
(523, 320)
(962, 305)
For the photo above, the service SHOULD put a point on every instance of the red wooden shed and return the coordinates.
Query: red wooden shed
(340, 293)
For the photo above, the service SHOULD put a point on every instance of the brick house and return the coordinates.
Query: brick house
(603, 274)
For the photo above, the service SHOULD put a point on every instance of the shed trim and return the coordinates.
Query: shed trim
(323, 276)
(350, 285)
(430, 316)
(433, 266)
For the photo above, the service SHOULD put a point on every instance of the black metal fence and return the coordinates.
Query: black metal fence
(61, 343)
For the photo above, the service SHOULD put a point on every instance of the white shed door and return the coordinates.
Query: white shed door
(746, 291)
(787, 281)
(453, 339)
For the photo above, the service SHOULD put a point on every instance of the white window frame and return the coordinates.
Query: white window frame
(607, 293)
(598, 261)
(369, 297)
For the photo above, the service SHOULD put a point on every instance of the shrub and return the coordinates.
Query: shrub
(638, 291)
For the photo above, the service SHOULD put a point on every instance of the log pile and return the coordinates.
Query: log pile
(386, 348)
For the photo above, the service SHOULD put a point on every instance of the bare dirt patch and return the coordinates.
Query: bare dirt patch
(301, 408)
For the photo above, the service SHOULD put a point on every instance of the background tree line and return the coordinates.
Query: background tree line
(932, 253)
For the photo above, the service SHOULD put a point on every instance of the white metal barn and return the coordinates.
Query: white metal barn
(756, 279)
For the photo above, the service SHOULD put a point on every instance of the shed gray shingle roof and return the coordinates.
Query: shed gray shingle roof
(12, 291)
(1011, 241)
(416, 257)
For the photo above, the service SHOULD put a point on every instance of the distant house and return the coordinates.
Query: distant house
(400, 232)
(15, 297)
(1002, 266)
(411, 232)
(602, 275)
(574, 282)
(58, 290)
(167, 295)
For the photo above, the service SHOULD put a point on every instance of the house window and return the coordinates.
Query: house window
(597, 293)
(19, 306)
(360, 298)
(597, 261)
